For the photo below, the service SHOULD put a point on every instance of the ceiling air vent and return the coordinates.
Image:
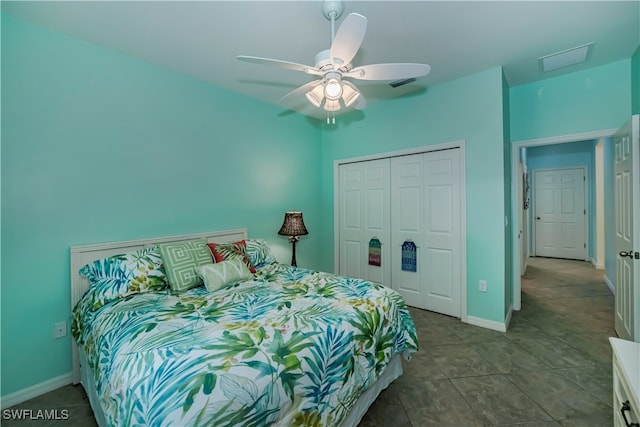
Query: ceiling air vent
(565, 58)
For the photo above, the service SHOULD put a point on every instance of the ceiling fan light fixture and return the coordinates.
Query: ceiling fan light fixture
(333, 89)
(329, 92)
(349, 95)
(331, 105)
(316, 95)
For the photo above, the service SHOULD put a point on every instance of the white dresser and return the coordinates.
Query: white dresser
(626, 383)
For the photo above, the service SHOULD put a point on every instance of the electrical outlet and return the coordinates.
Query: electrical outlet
(60, 330)
(482, 286)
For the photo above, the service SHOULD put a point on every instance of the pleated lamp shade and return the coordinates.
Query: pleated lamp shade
(293, 225)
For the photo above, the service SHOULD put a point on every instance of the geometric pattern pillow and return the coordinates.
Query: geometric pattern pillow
(180, 261)
(226, 251)
(222, 273)
(259, 252)
(120, 275)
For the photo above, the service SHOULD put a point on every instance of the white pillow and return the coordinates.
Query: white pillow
(222, 273)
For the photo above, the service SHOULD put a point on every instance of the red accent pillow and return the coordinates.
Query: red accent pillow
(231, 250)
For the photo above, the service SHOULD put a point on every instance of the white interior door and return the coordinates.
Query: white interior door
(442, 224)
(627, 224)
(560, 226)
(365, 214)
(407, 200)
(426, 210)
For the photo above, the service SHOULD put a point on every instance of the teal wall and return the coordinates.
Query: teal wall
(590, 100)
(469, 109)
(98, 146)
(568, 155)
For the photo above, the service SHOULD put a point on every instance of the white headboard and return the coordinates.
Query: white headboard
(81, 255)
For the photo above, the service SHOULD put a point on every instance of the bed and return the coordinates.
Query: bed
(281, 345)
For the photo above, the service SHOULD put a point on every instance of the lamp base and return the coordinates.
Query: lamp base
(293, 240)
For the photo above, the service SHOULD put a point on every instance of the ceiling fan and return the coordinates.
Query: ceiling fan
(331, 91)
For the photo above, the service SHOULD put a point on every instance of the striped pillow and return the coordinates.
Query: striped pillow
(222, 273)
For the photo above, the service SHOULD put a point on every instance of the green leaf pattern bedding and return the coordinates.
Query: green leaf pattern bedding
(289, 347)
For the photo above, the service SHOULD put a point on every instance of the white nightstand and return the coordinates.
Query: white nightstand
(626, 383)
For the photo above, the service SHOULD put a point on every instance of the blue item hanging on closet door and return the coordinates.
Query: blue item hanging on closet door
(409, 257)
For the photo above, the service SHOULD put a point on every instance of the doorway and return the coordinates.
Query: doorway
(517, 195)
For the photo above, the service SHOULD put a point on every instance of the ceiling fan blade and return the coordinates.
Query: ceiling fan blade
(388, 71)
(348, 39)
(280, 64)
(299, 91)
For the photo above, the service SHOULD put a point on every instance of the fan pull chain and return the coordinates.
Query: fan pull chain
(331, 118)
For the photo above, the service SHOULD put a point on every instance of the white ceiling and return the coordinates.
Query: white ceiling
(457, 38)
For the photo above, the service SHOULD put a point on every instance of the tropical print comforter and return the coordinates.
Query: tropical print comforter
(290, 347)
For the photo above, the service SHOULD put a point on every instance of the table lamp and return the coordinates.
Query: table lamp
(293, 226)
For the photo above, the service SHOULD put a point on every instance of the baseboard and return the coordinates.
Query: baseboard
(609, 284)
(35, 390)
(507, 319)
(594, 262)
(489, 324)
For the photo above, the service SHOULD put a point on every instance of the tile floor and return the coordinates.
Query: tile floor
(552, 367)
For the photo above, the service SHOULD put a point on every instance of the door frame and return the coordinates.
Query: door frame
(463, 205)
(599, 261)
(515, 159)
(585, 196)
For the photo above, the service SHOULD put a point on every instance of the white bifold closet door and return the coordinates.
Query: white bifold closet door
(364, 214)
(414, 198)
(425, 200)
